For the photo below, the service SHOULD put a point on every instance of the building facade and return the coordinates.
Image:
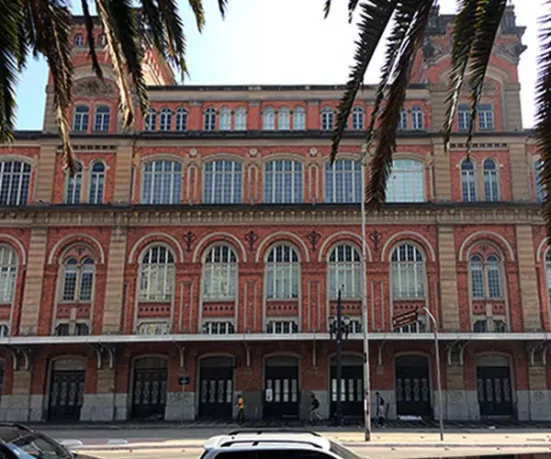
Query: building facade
(200, 255)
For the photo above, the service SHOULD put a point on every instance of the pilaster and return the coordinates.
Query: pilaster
(527, 279)
(448, 279)
(114, 285)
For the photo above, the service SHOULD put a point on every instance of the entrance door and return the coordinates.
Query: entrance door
(66, 390)
(281, 392)
(150, 387)
(412, 386)
(494, 391)
(351, 387)
(216, 388)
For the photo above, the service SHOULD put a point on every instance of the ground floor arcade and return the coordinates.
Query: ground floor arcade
(174, 381)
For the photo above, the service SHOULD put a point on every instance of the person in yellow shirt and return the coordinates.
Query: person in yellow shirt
(240, 409)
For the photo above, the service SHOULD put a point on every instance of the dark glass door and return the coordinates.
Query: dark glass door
(412, 386)
(351, 391)
(216, 399)
(494, 391)
(149, 397)
(281, 392)
(66, 395)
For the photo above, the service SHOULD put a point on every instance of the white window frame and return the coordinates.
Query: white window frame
(468, 181)
(79, 40)
(181, 119)
(343, 181)
(408, 272)
(344, 272)
(80, 269)
(299, 119)
(97, 183)
(220, 274)
(159, 180)
(240, 119)
(283, 119)
(150, 121)
(485, 114)
(15, 177)
(81, 118)
(327, 119)
(222, 185)
(282, 327)
(8, 274)
(224, 121)
(282, 273)
(73, 186)
(358, 118)
(417, 122)
(160, 273)
(102, 118)
(406, 182)
(268, 119)
(209, 119)
(491, 180)
(218, 327)
(276, 182)
(165, 119)
(485, 266)
(538, 187)
(403, 120)
(463, 117)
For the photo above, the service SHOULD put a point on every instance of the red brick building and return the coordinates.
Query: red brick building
(199, 256)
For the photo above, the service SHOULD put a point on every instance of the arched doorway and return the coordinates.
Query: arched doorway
(493, 384)
(281, 389)
(149, 388)
(216, 387)
(412, 386)
(66, 389)
(351, 386)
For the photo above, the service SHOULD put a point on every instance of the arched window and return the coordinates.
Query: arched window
(463, 117)
(165, 119)
(225, 119)
(485, 277)
(101, 121)
(283, 181)
(8, 273)
(299, 119)
(327, 119)
(344, 272)
(491, 183)
(416, 118)
(468, 181)
(343, 181)
(284, 119)
(547, 273)
(181, 119)
(79, 40)
(156, 274)
(78, 280)
(406, 182)
(223, 182)
(102, 40)
(81, 118)
(162, 182)
(358, 118)
(485, 114)
(282, 273)
(538, 186)
(209, 119)
(97, 183)
(72, 189)
(14, 183)
(220, 274)
(268, 119)
(151, 120)
(408, 272)
(403, 122)
(240, 119)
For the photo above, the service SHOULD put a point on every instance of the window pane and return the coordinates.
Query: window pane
(299, 119)
(343, 181)
(72, 195)
(468, 182)
(8, 271)
(181, 119)
(223, 182)
(97, 183)
(406, 182)
(14, 183)
(162, 183)
(283, 182)
(408, 273)
(156, 274)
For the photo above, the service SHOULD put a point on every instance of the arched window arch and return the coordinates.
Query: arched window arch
(468, 181)
(283, 119)
(299, 119)
(358, 118)
(491, 181)
(15, 177)
(81, 118)
(344, 272)
(225, 119)
(181, 119)
(283, 181)
(97, 183)
(78, 280)
(79, 40)
(327, 119)
(209, 119)
(8, 274)
(220, 274)
(417, 118)
(406, 182)
(485, 277)
(343, 181)
(156, 274)
(408, 272)
(463, 117)
(165, 119)
(162, 182)
(282, 273)
(240, 119)
(223, 182)
(73, 185)
(102, 118)
(538, 186)
(268, 119)
(150, 123)
(403, 122)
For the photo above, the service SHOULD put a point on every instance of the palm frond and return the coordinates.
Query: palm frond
(374, 18)
(199, 12)
(223, 6)
(88, 21)
(150, 17)
(352, 4)
(381, 162)
(175, 38)
(326, 8)
(462, 42)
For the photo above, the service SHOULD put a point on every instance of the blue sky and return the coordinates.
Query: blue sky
(277, 41)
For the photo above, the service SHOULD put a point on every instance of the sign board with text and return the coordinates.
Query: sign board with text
(405, 318)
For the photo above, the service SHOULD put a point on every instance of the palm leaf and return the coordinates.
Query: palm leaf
(88, 21)
(223, 6)
(326, 8)
(150, 16)
(174, 28)
(352, 4)
(199, 12)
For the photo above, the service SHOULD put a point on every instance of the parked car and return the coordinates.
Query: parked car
(21, 442)
(274, 444)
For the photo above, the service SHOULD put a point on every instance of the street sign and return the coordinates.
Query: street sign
(405, 318)
(183, 380)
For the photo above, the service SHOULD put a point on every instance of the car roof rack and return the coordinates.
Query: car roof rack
(255, 442)
(260, 431)
(16, 425)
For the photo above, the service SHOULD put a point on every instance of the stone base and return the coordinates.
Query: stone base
(540, 405)
(253, 405)
(389, 397)
(21, 408)
(97, 408)
(180, 406)
(121, 411)
(325, 403)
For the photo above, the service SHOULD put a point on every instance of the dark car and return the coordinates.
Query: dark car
(20, 442)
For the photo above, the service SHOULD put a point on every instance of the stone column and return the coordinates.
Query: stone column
(448, 279)
(45, 172)
(123, 176)
(441, 172)
(100, 407)
(21, 405)
(114, 285)
(520, 172)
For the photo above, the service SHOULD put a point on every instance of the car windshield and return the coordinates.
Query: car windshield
(341, 451)
(37, 446)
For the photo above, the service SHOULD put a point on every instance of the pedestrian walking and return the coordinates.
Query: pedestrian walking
(381, 409)
(240, 409)
(314, 410)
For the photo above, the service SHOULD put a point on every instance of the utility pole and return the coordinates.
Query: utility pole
(339, 330)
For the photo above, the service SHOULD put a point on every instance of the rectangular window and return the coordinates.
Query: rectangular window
(69, 286)
(223, 182)
(477, 283)
(343, 181)
(406, 182)
(468, 186)
(283, 182)
(485, 117)
(463, 117)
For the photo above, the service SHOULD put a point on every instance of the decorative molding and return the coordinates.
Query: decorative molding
(189, 239)
(93, 88)
(375, 237)
(313, 237)
(251, 237)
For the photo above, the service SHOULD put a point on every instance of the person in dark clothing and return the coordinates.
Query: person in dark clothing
(240, 409)
(314, 410)
(381, 409)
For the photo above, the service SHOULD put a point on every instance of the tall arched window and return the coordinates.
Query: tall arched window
(358, 118)
(408, 272)
(181, 119)
(15, 177)
(150, 122)
(78, 280)
(491, 183)
(344, 272)
(299, 119)
(240, 119)
(268, 119)
(485, 277)
(282, 273)
(403, 122)
(468, 181)
(72, 188)
(463, 117)
(97, 183)
(225, 119)
(156, 274)
(283, 181)
(162, 182)
(223, 182)
(165, 119)
(538, 186)
(327, 119)
(102, 118)
(343, 181)
(81, 118)
(8, 274)
(406, 182)
(209, 119)
(79, 40)
(284, 119)
(416, 118)
(220, 274)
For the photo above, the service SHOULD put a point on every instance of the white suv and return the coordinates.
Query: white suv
(274, 444)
